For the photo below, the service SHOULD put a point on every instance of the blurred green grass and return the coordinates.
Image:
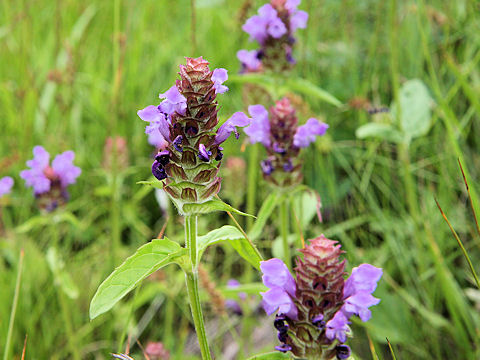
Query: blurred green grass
(73, 73)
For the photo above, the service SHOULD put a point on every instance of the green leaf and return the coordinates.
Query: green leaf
(155, 183)
(308, 88)
(265, 212)
(61, 276)
(146, 260)
(210, 206)
(415, 104)
(250, 289)
(265, 81)
(234, 237)
(276, 355)
(380, 131)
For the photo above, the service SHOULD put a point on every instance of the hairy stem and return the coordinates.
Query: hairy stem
(191, 279)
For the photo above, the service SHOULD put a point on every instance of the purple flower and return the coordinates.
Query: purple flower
(278, 299)
(174, 102)
(283, 348)
(259, 129)
(306, 133)
(267, 167)
(203, 154)
(156, 139)
(249, 59)
(158, 170)
(233, 304)
(358, 289)
(219, 76)
(363, 278)
(338, 327)
(237, 119)
(291, 5)
(343, 352)
(276, 274)
(256, 27)
(158, 122)
(277, 28)
(163, 157)
(298, 20)
(277, 277)
(40, 174)
(35, 176)
(6, 184)
(178, 143)
(63, 167)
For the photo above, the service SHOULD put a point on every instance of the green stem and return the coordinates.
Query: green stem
(284, 232)
(191, 279)
(14, 307)
(252, 182)
(71, 339)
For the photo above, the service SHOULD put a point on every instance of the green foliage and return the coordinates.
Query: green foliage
(146, 260)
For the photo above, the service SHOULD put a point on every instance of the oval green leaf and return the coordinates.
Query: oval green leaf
(146, 260)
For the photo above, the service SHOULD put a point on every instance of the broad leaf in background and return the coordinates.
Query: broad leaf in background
(234, 237)
(415, 109)
(305, 205)
(210, 206)
(146, 260)
(381, 131)
(264, 214)
(306, 87)
(61, 276)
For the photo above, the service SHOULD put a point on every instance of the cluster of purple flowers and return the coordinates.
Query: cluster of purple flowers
(49, 183)
(319, 301)
(278, 132)
(183, 126)
(273, 28)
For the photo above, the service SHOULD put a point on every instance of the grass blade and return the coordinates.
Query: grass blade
(469, 197)
(460, 244)
(391, 350)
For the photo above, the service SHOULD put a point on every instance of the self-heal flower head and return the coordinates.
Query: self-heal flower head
(6, 184)
(306, 134)
(314, 322)
(187, 119)
(273, 28)
(278, 131)
(49, 183)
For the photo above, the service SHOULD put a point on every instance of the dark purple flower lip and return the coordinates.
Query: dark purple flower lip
(288, 166)
(267, 167)
(318, 321)
(283, 348)
(219, 154)
(278, 149)
(279, 322)
(177, 143)
(163, 157)
(203, 153)
(343, 352)
(282, 336)
(158, 170)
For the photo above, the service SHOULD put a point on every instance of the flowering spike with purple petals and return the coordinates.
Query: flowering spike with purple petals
(49, 183)
(273, 28)
(186, 120)
(278, 132)
(314, 308)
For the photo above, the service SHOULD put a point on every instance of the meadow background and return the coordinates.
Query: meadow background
(73, 73)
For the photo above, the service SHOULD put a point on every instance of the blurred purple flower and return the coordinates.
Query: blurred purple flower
(238, 119)
(298, 20)
(249, 59)
(307, 133)
(40, 175)
(291, 5)
(259, 129)
(233, 304)
(256, 27)
(219, 76)
(277, 28)
(337, 327)
(6, 184)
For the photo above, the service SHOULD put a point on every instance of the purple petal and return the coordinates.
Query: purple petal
(298, 20)
(291, 5)
(276, 274)
(6, 184)
(249, 59)
(277, 28)
(35, 177)
(267, 12)
(156, 139)
(63, 166)
(337, 327)
(174, 102)
(358, 304)
(238, 119)
(150, 114)
(219, 76)
(256, 27)
(307, 133)
(278, 299)
(363, 278)
(203, 154)
(259, 129)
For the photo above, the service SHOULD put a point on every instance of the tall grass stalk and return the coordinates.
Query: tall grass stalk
(14, 306)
